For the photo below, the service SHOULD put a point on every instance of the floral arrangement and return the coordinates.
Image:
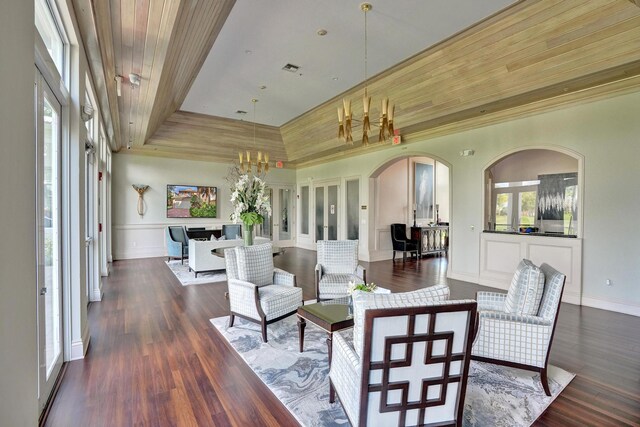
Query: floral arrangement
(249, 199)
(366, 287)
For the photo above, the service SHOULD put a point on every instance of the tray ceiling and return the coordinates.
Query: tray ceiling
(260, 37)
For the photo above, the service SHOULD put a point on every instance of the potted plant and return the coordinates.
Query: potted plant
(250, 202)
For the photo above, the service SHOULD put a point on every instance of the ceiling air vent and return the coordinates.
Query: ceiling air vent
(291, 68)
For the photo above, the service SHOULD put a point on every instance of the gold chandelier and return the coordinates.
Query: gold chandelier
(345, 114)
(262, 162)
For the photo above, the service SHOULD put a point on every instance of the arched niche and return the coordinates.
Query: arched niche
(392, 197)
(534, 190)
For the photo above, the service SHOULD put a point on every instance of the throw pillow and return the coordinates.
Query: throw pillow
(363, 301)
(525, 292)
(255, 264)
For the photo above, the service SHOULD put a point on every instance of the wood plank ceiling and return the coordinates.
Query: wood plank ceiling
(535, 50)
(163, 41)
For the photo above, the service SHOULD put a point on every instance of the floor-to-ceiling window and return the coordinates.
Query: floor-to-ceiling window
(49, 125)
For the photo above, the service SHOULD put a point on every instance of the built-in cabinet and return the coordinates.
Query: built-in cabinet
(500, 254)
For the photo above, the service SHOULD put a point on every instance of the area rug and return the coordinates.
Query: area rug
(496, 395)
(186, 277)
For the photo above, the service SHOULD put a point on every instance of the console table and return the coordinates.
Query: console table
(433, 239)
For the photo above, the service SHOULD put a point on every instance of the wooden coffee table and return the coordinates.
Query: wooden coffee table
(331, 316)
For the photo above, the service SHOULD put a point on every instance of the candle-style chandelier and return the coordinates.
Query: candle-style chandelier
(262, 162)
(345, 114)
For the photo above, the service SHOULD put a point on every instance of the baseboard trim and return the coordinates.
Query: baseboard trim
(79, 347)
(97, 293)
(618, 307)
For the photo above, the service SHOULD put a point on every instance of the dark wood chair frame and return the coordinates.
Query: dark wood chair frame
(368, 366)
(263, 322)
(543, 371)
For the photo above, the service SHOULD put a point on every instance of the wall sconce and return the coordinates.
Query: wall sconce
(118, 80)
(86, 113)
(140, 189)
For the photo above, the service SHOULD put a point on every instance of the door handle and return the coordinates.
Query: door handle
(43, 291)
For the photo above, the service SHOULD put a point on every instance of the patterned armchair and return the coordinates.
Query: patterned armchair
(411, 364)
(177, 243)
(337, 266)
(519, 340)
(258, 292)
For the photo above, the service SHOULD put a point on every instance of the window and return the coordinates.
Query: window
(50, 33)
(533, 191)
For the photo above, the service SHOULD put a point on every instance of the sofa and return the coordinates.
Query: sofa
(201, 259)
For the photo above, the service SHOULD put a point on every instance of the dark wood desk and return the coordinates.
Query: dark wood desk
(431, 240)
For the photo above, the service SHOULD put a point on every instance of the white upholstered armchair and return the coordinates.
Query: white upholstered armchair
(258, 292)
(507, 336)
(337, 266)
(409, 361)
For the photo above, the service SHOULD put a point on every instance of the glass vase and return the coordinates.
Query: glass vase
(247, 234)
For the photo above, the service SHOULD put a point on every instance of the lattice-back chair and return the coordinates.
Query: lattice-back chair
(519, 340)
(177, 243)
(258, 292)
(337, 266)
(413, 368)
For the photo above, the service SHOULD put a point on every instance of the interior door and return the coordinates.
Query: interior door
(283, 216)
(48, 191)
(266, 228)
(327, 214)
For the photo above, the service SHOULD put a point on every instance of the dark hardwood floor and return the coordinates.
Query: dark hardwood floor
(155, 360)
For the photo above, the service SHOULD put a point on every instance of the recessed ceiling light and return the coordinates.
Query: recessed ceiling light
(291, 68)
(248, 52)
(322, 32)
(334, 78)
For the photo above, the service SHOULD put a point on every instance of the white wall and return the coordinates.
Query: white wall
(136, 237)
(18, 361)
(604, 132)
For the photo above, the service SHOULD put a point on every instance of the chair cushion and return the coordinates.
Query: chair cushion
(525, 292)
(336, 285)
(278, 300)
(255, 264)
(363, 301)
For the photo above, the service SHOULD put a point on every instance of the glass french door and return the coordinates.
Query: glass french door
(326, 211)
(49, 277)
(283, 216)
(278, 227)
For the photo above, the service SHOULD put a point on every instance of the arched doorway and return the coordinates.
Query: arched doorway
(400, 186)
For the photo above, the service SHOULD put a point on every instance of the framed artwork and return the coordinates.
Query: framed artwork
(423, 184)
(191, 201)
